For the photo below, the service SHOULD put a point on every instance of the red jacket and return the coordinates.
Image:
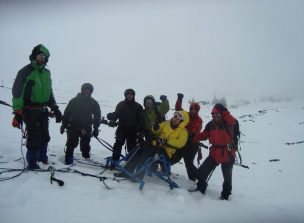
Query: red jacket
(195, 123)
(220, 136)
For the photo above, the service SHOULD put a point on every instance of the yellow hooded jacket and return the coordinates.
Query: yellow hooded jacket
(176, 138)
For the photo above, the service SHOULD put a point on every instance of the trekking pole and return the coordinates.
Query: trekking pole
(106, 145)
(5, 103)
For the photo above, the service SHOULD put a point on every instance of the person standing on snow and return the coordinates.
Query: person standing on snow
(219, 132)
(194, 127)
(81, 113)
(153, 114)
(32, 95)
(128, 113)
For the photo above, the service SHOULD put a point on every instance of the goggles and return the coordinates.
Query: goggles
(178, 115)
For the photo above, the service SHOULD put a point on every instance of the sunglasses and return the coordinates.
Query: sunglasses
(178, 115)
(216, 114)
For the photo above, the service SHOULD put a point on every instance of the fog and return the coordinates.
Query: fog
(201, 48)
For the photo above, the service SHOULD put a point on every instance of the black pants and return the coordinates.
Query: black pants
(37, 127)
(190, 152)
(123, 135)
(73, 136)
(205, 170)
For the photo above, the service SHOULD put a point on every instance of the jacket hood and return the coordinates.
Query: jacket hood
(149, 97)
(185, 120)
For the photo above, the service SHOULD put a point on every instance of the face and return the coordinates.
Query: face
(130, 96)
(176, 119)
(148, 103)
(217, 117)
(193, 111)
(41, 58)
(87, 92)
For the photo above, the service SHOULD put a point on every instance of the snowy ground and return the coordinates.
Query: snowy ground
(268, 191)
(238, 49)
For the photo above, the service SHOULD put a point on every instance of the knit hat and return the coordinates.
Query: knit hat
(218, 108)
(87, 86)
(129, 91)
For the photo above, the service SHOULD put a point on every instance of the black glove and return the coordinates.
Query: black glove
(180, 96)
(112, 124)
(95, 132)
(161, 142)
(111, 116)
(156, 127)
(163, 97)
(104, 121)
(57, 114)
(62, 128)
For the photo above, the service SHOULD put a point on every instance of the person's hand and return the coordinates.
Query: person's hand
(156, 127)
(17, 120)
(95, 132)
(163, 97)
(180, 96)
(57, 113)
(62, 128)
(112, 123)
(161, 142)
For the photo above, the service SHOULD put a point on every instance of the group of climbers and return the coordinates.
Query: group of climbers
(176, 138)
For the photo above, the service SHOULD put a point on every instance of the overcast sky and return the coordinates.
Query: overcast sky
(201, 47)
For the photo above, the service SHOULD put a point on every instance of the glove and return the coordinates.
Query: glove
(17, 120)
(112, 123)
(95, 132)
(62, 128)
(156, 127)
(163, 97)
(199, 155)
(161, 142)
(180, 96)
(104, 121)
(111, 116)
(57, 114)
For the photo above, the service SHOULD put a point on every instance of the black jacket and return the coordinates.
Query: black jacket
(82, 112)
(129, 114)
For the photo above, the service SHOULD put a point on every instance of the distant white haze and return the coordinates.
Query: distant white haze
(203, 48)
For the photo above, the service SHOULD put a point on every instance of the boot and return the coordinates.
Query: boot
(31, 158)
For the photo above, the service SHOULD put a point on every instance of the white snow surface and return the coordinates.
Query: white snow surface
(107, 45)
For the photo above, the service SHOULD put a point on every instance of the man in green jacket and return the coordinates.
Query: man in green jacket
(153, 113)
(32, 95)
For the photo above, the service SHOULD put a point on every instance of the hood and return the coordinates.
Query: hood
(149, 97)
(185, 120)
